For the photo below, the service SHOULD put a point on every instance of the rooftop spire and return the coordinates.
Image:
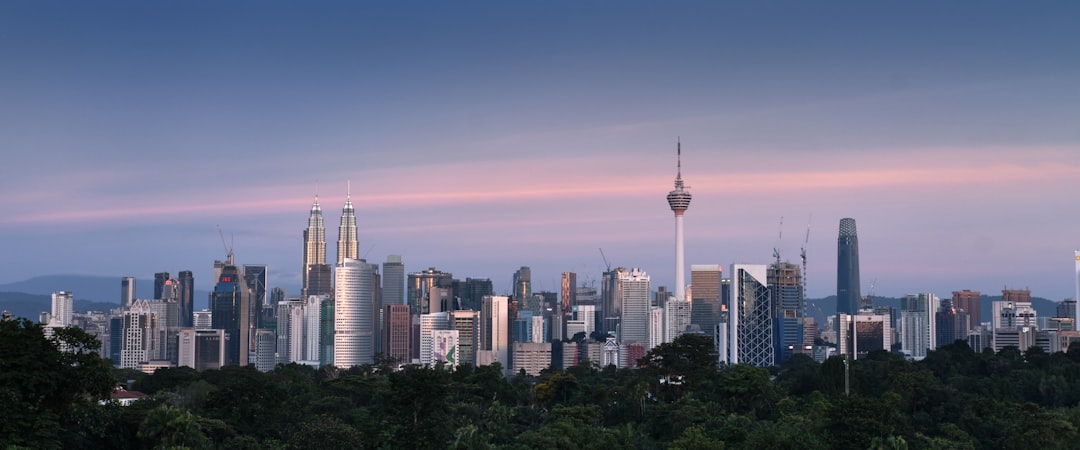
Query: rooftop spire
(678, 158)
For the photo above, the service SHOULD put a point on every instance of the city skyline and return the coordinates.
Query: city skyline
(486, 138)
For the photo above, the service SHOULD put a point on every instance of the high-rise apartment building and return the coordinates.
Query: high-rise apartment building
(127, 292)
(634, 288)
(393, 277)
(348, 246)
(679, 201)
(750, 318)
(918, 327)
(847, 268)
(969, 302)
(677, 315)
(140, 330)
(62, 307)
(354, 327)
(786, 291)
(314, 245)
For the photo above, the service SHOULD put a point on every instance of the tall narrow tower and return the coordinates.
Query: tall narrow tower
(679, 200)
(847, 268)
(1077, 297)
(314, 243)
(347, 245)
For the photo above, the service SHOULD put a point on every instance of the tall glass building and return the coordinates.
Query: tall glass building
(786, 295)
(847, 269)
(750, 317)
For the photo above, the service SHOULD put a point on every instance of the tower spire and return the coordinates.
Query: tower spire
(679, 200)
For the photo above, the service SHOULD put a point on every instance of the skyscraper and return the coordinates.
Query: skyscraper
(969, 302)
(847, 268)
(705, 296)
(568, 291)
(635, 290)
(750, 317)
(611, 301)
(354, 327)
(393, 280)
(159, 283)
(314, 244)
(494, 332)
(62, 311)
(187, 299)
(397, 333)
(1076, 255)
(918, 327)
(420, 283)
(523, 289)
(679, 201)
(348, 247)
(229, 306)
(786, 292)
(255, 282)
(127, 291)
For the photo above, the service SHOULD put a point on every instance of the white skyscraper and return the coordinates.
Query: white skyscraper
(62, 307)
(656, 326)
(635, 290)
(918, 333)
(429, 324)
(354, 326)
(679, 201)
(312, 329)
(676, 318)
(494, 331)
(1076, 255)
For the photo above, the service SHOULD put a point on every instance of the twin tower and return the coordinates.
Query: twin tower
(315, 274)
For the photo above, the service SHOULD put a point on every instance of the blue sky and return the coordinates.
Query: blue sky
(483, 136)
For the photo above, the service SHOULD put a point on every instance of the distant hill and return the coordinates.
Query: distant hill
(99, 289)
(821, 308)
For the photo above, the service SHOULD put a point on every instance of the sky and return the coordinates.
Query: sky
(479, 137)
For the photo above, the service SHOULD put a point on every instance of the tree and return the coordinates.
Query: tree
(40, 385)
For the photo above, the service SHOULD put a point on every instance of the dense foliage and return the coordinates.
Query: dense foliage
(678, 398)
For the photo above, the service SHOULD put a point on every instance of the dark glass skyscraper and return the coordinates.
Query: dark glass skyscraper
(786, 289)
(847, 268)
(187, 299)
(159, 283)
(229, 307)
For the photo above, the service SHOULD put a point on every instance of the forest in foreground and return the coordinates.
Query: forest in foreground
(678, 399)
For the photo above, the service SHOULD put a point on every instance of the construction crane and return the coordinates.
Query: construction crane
(606, 263)
(802, 254)
(228, 247)
(779, 239)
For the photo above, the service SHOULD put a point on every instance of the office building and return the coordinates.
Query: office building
(918, 332)
(203, 320)
(265, 344)
(397, 333)
(201, 349)
(750, 319)
(568, 291)
(634, 289)
(320, 280)
(187, 298)
(968, 301)
(472, 291)
(444, 348)
(951, 323)
(705, 296)
(1014, 322)
(354, 327)
(159, 284)
(467, 324)
(848, 293)
(531, 357)
(785, 283)
(140, 335)
(523, 290)
(419, 286)
(863, 333)
(676, 320)
(314, 247)
(230, 306)
(393, 285)
(348, 245)
(656, 326)
(611, 301)
(679, 201)
(290, 330)
(127, 291)
(494, 331)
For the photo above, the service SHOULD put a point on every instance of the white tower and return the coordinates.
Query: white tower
(1077, 297)
(679, 200)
